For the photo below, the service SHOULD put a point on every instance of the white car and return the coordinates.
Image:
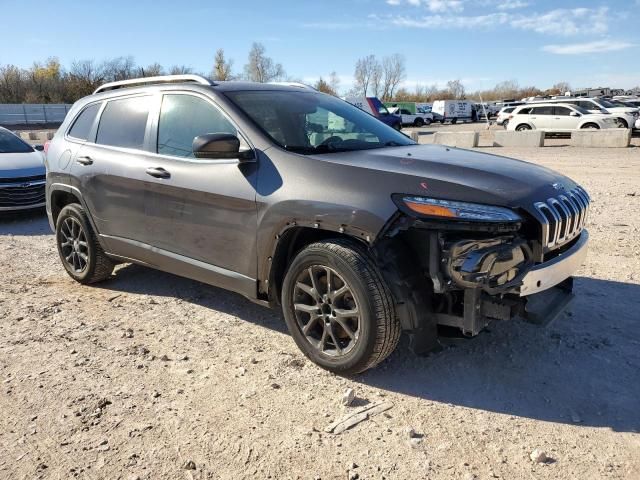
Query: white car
(22, 174)
(625, 114)
(414, 119)
(557, 117)
(503, 116)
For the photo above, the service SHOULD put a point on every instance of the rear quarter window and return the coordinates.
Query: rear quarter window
(83, 124)
(124, 122)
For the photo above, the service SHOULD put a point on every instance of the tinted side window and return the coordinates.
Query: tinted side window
(542, 111)
(124, 122)
(523, 111)
(82, 126)
(564, 111)
(184, 117)
(587, 105)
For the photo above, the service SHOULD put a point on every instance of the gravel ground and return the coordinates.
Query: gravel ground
(152, 376)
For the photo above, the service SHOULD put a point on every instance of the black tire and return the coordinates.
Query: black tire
(378, 329)
(92, 263)
(418, 122)
(590, 126)
(442, 121)
(522, 127)
(505, 124)
(454, 121)
(623, 123)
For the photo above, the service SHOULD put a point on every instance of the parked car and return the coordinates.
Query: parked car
(626, 116)
(453, 110)
(412, 119)
(557, 117)
(425, 108)
(503, 116)
(355, 233)
(373, 106)
(22, 174)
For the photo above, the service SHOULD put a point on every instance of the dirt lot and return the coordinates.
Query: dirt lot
(151, 376)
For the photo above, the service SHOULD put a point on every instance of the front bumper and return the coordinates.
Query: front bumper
(551, 273)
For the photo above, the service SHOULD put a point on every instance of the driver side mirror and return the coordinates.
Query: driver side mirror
(220, 146)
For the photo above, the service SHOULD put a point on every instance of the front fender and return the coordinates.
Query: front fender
(276, 220)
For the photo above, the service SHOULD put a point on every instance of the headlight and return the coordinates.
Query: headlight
(433, 207)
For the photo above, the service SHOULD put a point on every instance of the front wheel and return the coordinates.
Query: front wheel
(338, 308)
(623, 123)
(522, 128)
(418, 122)
(590, 126)
(79, 250)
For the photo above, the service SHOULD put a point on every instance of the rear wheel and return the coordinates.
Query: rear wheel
(523, 127)
(418, 122)
(623, 123)
(453, 121)
(338, 308)
(79, 250)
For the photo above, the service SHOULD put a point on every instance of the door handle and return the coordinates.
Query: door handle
(84, 160)
(158, 172)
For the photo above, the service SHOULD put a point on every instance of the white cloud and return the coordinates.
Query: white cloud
(513, 5)
(597, 46)
(451, 21)
(559, 22)
(435, 6)
(565, 22)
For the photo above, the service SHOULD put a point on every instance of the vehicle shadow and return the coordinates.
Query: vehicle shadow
(583, 369)
(26, 223)
(131, 278)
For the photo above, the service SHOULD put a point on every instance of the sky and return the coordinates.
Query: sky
(480, 42)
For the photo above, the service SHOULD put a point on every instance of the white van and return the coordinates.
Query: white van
(453, 110)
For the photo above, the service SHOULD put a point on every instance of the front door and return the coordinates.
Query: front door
(202, 211)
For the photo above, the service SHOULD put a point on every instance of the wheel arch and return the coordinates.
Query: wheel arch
(289, 242)
(60, 195)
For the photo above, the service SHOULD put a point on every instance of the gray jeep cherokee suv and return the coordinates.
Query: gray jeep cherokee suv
(297, 199)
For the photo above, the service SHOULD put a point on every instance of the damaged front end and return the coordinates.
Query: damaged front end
(482, 271)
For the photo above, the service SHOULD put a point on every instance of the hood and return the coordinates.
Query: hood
(454, 174)
(13, 165)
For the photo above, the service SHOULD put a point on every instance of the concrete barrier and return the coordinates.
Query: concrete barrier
(527, 138)
(607, 138)
(457, 139)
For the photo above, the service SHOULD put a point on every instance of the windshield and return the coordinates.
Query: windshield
(604, 103)
(9, 143)
(313, 122)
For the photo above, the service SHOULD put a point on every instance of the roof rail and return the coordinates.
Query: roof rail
(153, 80)
(294, 84)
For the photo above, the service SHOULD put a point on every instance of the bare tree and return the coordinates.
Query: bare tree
(120, 68)
(153, 70)
(222, 67)
(12, 84)
(334, 82)
(365, 71)
(180, 70)
(456, 89)
(261, 68)
(393, 72)
(323, 86)
(561, 88)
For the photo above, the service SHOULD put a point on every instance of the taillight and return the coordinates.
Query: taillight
(46, 146)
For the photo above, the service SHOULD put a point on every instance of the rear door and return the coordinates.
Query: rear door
(203, 210)
(110, 169)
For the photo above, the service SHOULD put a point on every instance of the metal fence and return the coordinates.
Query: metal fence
(33, 113)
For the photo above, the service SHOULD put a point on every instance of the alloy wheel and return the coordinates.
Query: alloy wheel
(326, 311)
(73, 245)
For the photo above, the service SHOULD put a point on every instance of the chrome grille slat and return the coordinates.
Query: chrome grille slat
(563, 217)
